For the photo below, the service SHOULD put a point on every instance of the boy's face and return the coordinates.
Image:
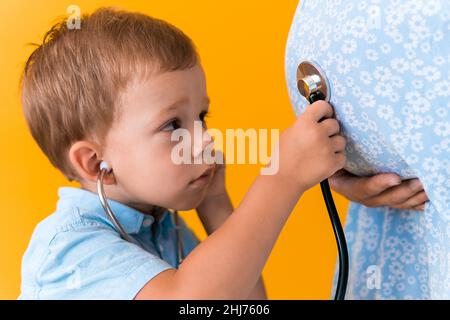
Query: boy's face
(138, 146)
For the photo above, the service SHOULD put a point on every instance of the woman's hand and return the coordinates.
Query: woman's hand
(384, 189)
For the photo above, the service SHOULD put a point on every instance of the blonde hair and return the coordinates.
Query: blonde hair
(72, 82)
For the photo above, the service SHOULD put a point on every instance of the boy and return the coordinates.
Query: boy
(114, 90)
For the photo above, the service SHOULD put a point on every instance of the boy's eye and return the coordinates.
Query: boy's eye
(175, 123)
(172, 125)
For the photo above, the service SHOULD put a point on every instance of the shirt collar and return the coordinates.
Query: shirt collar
(130, 218)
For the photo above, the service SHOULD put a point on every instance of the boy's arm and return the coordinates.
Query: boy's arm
(238, 249)
(212, 214)
(259, 292)
(228, 264)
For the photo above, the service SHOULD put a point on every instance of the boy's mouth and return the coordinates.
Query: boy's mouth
(203, 178)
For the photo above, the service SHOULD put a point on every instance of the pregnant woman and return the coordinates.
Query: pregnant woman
(388, 64)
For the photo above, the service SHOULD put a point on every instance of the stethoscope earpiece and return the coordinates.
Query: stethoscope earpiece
(105, 168)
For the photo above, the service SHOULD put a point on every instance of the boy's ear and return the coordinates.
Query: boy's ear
(85, 158)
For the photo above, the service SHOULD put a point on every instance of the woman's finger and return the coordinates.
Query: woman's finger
(416, 200)
(379, 183)
(420, 207)
(359, 189)
(396, 195)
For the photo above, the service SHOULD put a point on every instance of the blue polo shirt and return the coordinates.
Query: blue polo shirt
(76, 253)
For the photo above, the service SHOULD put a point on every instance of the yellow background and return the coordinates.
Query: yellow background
(242, 47)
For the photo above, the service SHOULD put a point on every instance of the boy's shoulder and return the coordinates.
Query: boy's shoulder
(69, 218)
(78, 239)
(75, 255)
(76, 208)
(68, 235)
(61, 223)
(64, 220)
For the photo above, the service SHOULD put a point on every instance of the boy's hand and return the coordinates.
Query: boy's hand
(216, 206)
(217, 186)
(311, 150)
(384, 189)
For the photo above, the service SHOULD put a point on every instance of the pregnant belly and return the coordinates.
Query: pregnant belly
(388, 69)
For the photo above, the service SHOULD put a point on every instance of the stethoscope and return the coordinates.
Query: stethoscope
(313, 85)
(105, 169)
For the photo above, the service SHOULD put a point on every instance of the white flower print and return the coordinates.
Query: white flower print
(385, 111)
(367, 100)
(432, 7)
(431, 73)
(442, 112)
(371, 54)
(420, 105)
(382, 73)
(348, 46)
(385, 48)
(431, 164)
(442, 88)
(400, 65)
(365, 77)
(439, 60)
(442, 128)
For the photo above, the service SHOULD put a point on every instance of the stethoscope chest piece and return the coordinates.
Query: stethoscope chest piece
(312, 80)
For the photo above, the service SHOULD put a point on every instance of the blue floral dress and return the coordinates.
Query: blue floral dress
(388, 64)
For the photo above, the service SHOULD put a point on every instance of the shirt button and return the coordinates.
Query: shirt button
(147, 223)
